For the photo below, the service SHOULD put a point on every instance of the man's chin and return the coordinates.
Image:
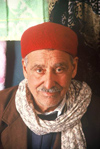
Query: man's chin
(47, 102)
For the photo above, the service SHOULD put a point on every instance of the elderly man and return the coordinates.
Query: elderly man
(44, 111)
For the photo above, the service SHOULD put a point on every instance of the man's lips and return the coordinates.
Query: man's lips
(49, 94)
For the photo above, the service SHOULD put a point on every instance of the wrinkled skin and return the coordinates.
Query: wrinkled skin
(47, 69)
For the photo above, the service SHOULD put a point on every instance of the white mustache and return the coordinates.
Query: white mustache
(51, 90)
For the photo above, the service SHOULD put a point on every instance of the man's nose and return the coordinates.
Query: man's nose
(49, 81)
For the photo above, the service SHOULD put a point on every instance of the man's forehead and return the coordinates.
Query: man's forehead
(55, 64)
(44, 57)
(53, 53)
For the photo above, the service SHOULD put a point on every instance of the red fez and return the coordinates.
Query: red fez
(49, 35)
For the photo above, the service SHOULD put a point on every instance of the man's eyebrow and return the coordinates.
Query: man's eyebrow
(61, 64)
(37, 66)
(55, 66)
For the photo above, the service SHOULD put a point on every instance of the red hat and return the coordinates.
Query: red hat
(49, 35)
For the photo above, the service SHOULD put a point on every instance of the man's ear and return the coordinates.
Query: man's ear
(24, 68)
(75, 64)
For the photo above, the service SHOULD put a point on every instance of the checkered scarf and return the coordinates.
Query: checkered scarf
(69, 124)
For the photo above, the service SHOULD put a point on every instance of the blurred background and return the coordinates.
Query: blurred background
(83, 16)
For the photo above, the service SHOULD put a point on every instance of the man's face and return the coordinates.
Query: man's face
(49, 74)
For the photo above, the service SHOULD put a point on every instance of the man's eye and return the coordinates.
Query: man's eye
(39, 70)
(59, 70)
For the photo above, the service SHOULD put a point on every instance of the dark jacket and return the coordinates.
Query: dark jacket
(13, 131)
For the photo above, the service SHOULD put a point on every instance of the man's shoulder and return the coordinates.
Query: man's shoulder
(91, 123)
(94, 108)
(6, 95)
(7, 92)
(93, 111)
(9, 89)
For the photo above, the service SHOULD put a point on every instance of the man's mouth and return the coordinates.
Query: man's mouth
(48, 94)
